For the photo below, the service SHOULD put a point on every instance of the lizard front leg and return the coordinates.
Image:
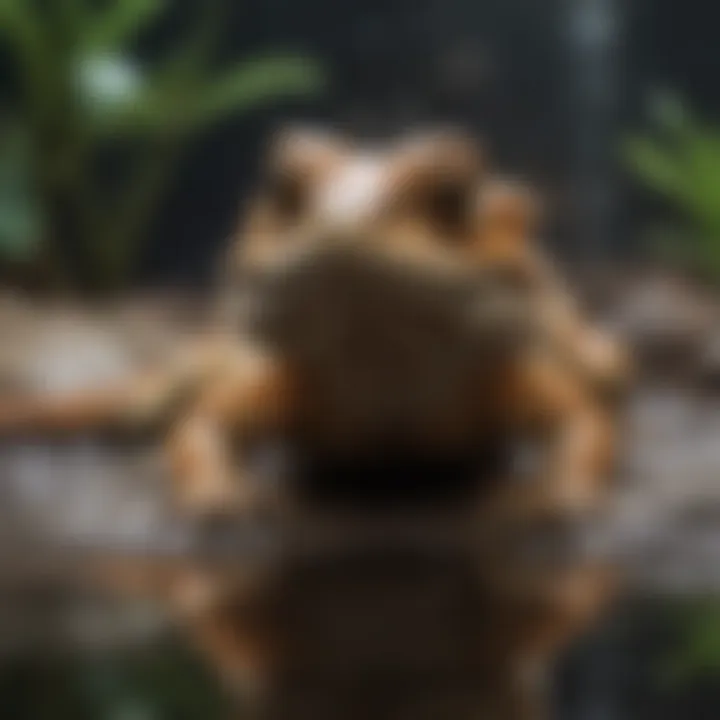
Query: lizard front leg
(537, 563)
(251, 396)
(545, 401)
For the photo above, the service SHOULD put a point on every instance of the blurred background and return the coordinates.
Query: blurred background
(130, 131)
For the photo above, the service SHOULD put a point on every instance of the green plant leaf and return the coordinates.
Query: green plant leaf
(158, 110)
(118, 25)
(681, 161)
(20, 215)
(668, 111)
(699, 650)
(22, 26)
(14, 13)
(105, 79)
(656, 166)
(253, 82)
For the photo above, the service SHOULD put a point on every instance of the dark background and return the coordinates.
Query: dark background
(549, 104)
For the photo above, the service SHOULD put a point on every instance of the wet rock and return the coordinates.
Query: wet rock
(668, 323)
(709, 365)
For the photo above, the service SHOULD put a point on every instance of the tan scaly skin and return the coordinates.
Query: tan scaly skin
(347, 269)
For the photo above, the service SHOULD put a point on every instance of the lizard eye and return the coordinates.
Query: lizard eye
(448, 205)
(287, 194)
(439, 176)
(297, 159)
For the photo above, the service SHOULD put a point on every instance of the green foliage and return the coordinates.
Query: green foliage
(20, 229)
(160, 682)
(680, 159)
(84, 94)
(697, 654)
(112, 28)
